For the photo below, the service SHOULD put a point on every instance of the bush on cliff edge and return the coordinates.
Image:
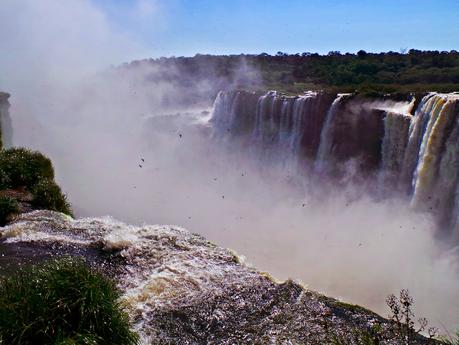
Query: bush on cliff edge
(62, 302)
(47, 194)
(23, 168)
(31, 171)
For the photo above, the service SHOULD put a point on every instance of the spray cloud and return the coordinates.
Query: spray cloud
(97, 128)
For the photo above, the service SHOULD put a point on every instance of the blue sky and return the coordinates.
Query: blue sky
(186, 27)
(65, 39)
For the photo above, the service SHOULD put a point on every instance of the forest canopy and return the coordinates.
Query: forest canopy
(411, 71)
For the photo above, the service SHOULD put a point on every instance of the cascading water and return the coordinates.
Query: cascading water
(439, 127)
(301, 108)
(416, 132)
(222, 106)
(264, 119)
(415, 154)
(394, 143)
(284, 128)
(326, 143)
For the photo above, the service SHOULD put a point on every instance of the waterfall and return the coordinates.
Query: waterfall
(264, 118)
(442, 118)
(394, 143)
(222, 106)
(326, 142)
(286, 120)
(233, 113)
(293, 140)
(416, 132)
(413, 155)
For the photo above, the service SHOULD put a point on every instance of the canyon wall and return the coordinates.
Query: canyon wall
(6, 128)
(409, 146)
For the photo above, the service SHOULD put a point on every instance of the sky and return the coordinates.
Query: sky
(187, 27)
(51, 35)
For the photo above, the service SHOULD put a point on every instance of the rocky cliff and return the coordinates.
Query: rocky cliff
(408, 144)
(181, 289)
(6, 129)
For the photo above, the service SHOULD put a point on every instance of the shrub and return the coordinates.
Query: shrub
(47, 194)
(62, 302)
(8, 207)
(399, 330)
(20, 167)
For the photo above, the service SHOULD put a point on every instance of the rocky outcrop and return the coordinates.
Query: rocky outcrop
(6, 128)
(181, 289)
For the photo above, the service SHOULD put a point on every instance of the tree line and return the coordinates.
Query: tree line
(406, 71)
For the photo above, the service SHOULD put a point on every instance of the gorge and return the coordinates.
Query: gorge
(222, 184)
(407, 146)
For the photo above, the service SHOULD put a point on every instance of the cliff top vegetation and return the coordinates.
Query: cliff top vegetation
(410, 71)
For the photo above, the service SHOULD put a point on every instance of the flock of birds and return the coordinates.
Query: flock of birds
(180, 135)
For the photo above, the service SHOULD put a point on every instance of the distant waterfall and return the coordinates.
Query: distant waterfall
(223, 106)
(282, 126)
(413, 154)
(396, 127)
(264, 131)
(443, 115)
(415, 134)
(326, 141)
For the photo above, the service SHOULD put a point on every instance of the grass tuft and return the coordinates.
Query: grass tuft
(62, 302)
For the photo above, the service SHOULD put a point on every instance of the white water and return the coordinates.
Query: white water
(414, 150)
(325, 146)
(326, 236)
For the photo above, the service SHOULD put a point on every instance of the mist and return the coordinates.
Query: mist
(119, 149)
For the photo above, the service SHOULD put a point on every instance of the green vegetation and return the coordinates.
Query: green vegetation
(8, 207)
(352, 307)
(29, 172)
(400, 329)
(47, 194)
(62, 302)
(23, 168)
(412, 71)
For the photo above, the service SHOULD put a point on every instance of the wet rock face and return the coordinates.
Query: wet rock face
(295, 125)
(181, 289)
(357, 134)
(257, 310)
(314, 123)
(274, 119)
(6, 128)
